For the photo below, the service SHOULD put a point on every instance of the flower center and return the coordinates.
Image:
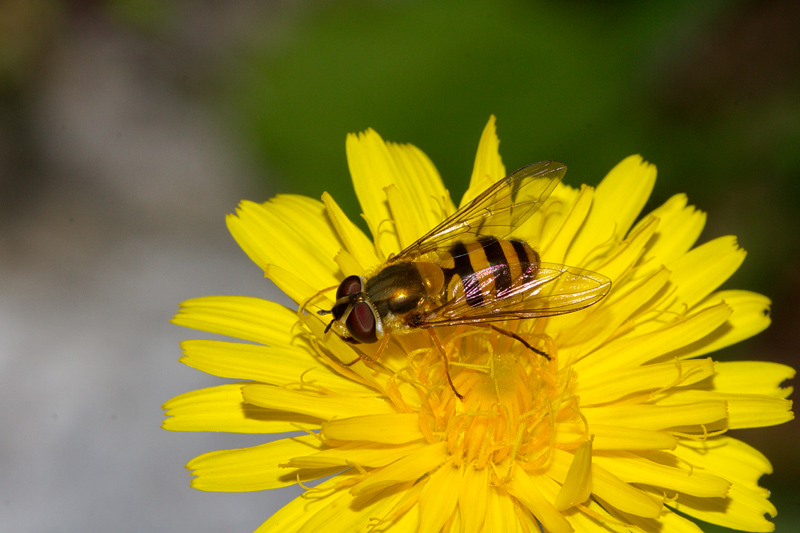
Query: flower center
(512, 399)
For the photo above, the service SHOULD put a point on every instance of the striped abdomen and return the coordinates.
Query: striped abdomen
(509, 264)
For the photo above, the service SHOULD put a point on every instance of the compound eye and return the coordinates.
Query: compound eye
(361, 324)
(350, 285)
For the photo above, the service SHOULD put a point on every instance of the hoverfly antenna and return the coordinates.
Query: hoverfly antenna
(305, 304)
(323, 312)
(328, 327)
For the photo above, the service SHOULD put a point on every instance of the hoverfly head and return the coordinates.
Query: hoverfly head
(353, 310)
(349, 288)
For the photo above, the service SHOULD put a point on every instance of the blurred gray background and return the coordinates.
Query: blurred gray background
(129, 128)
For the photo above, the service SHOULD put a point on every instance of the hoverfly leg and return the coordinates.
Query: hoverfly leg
(384, 343)
(302, 308)
(438, 344)
(516, 337)
(361, 357)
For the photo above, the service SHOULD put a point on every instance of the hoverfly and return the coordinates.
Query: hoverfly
(468, 270)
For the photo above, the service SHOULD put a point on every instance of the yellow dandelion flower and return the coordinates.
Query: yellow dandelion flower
(609, 418)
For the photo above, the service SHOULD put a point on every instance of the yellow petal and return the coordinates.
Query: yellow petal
(697, 273)
(408, 468)
(644, 468)
(581, 521)
(632, 351)
(555, 249)
(255, 468)
(593, 518)
(524, 488)
(654, 417)
(349, 513)
(405, 514)
(331, 508)
(679, 228)
(624, 254)
(607, 486)
(372, 169)
(322, 406)
(753, 377)
(289, 234)
(407, 224)
(607, 437)
(276, 366)
(221, 409)
(295, 287)
(261, 321)
(365, 454)
(716, 455)
(577, 486)
(742, 509)
(501, 514)
(353, 239)
(438, 500)
(744, 410)
(564, 206)
(250, 319)
(579, 333)
(375, 165)
(668, 522)
(617, 384)
(488, 168)
(348, 265)
(396, 428)
(308, 218)
(338, 349)
(292, 516)
(473, 497)
(617, 202)
(623, 496)
(750, 316)
(248, 241)
(421, 184)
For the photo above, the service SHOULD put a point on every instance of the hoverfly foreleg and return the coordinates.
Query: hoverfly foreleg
(438, 344)
(359, 357)
(381, 347)
(514, 336)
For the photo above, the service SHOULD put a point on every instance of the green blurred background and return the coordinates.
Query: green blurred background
(708, 91)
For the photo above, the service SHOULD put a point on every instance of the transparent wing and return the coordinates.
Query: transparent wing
(496, 212)
(554, 290)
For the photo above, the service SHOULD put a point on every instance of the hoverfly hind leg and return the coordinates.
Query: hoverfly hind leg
(438, 344)
(516, 337)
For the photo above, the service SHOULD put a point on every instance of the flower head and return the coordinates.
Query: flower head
(623, 423)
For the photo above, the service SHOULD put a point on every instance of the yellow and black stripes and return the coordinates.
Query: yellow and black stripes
(490, 267)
